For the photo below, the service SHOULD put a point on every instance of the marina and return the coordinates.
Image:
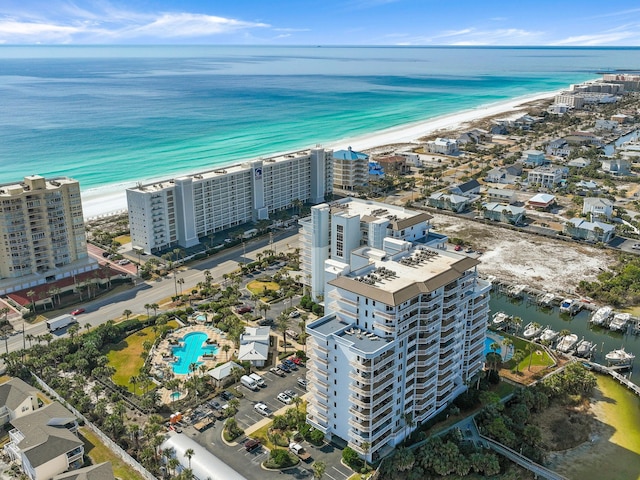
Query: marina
(593, 341)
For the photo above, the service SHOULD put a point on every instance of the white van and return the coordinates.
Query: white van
(258, 379)
(249, 382)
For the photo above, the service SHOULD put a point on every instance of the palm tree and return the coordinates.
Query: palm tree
(366, 446)
(147, 306)
(31, 294)
(126, 313)
(133, 380)
(225, 348)
(189, 453)
(407, 417)
(532, 348)
(319, 469)
(154, 307)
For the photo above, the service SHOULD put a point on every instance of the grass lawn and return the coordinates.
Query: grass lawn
(257, 287)
(99, 453)
(122, 239)
(125, 356)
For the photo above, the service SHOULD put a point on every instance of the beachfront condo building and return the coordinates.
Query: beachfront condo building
(180, 211)
(42, 234)
(350, 169)
(403, 331)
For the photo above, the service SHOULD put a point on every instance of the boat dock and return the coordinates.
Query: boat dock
(612, 371)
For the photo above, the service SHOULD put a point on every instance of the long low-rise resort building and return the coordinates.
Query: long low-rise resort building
(179, 212)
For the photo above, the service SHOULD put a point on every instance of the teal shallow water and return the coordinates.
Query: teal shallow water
(112, 115)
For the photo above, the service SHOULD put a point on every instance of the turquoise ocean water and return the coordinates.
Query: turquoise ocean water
(108, 116)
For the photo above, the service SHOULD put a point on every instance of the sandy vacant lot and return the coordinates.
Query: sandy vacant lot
(520, 258)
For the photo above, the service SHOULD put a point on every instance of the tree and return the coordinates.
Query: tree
(407, 418)
(225, 348)
(133, 380)
(319, 469)
(154, 307)
(189, 453)
(31, 294)
(366, 446)
(147, 306)
(126, 313)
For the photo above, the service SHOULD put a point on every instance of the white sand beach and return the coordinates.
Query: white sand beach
(111, 199)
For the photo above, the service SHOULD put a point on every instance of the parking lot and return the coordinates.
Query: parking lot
(249, 463)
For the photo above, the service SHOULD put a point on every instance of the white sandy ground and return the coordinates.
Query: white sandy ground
(545, 264)
(111, 199)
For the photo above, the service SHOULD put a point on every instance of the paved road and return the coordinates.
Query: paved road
(100, 310)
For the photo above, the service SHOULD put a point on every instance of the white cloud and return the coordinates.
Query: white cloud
(105, 23)
(598, 39)
(474, 36)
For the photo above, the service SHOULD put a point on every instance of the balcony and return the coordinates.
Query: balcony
(391, 329)
(360, 412)
(364, 390)
(363, 366)
(362, 402)
(362, 377)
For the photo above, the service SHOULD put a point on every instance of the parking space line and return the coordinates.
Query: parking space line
(340, 472)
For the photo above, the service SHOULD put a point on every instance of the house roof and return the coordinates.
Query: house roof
(452, 197)
(468, 186)
(349, 155)
(542, 198)
(14, 392)
(101, 471)
(45, 434)
(597, 202)
(253, 351)
(582, 224)
(500, 207)
(223, 371)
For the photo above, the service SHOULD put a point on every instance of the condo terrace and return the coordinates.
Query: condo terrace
(362, 340)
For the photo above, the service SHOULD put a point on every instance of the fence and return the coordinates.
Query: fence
(115, 448)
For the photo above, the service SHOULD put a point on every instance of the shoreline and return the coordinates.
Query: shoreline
(106, 201)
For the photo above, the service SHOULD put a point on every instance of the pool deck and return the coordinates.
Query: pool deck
(161, 356)
(505, 353)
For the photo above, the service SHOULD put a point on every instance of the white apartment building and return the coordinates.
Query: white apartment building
(350, 169)
(334, 230)
(42, 234)
(445, 146)
(402, 336)
(178, 212)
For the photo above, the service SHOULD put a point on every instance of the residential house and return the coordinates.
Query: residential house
(452, 202)
(621, 118)
(468, 189)
(558, 147)
(547, 176)
(509, 174)
(606, 125)
(350, 169)
(394, 164)
(533, 158)
(101, 471)
(519, 121)
(475, 135)
(541, 201)
(501, 195)
(598, 207)
(616, 166)
(498, 130)
(254, 345)
(587, 185)
(45, 442)
(221, 373)
(502, 212)
(444, 146)
(583, 139)
(558, 109)
(376, 171)
(592, 231)
(579, 162)
(17, 399)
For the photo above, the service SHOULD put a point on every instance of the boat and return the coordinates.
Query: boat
(601, 315)
(619, 322)
(567, 343)
(619, 357)
(547, 299)
(500, 318)
(532, 330)
(548, 335)
(516, 291)
(584, 348)
(570, 306)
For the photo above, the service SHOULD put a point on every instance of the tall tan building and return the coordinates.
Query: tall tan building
(42, 235)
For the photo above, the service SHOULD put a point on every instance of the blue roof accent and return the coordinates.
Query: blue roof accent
(349, 155)
(376, 169)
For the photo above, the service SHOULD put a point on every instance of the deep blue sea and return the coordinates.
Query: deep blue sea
(108, 116)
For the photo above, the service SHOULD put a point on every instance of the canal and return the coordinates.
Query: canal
(605, 339)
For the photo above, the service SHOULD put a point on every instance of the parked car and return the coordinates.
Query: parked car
(636, 246)
(457, 248)
(292, 334)
(244, 309)
(78, 311)
(290, 364)
(266, 322)
(302, 382)
(277, 371)
(226, 395)
(294, 314)
(124, 261)
(297, 360)
(251, 445)
(262, 409)
(284, 367)
(291, 393)
(105, 254)
(215, 405)
(284, 398)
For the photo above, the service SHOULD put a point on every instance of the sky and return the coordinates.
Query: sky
(321, 22)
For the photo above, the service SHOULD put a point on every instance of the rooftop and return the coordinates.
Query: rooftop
(358, 339)
(394, 281)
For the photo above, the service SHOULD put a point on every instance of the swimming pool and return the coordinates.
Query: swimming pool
(490, 341)
(192, 348)
(201, 317)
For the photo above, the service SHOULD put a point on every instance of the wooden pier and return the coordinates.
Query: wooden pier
(612, 371)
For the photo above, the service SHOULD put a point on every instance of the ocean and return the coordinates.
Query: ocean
(110, 116)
